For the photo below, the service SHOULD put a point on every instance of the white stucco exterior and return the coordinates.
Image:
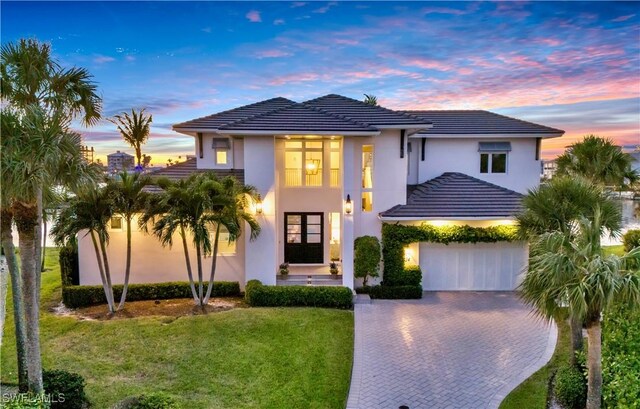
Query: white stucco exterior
(261, 157)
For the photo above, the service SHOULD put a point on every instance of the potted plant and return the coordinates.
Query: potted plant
(333, 268)
(283, 270)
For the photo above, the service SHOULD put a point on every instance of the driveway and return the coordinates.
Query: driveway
(447, 350)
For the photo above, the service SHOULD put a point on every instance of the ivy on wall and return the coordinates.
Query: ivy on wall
(395, 237)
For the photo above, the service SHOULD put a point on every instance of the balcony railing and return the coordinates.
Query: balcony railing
(293, 178)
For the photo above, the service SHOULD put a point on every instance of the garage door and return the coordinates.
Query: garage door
(482, 266)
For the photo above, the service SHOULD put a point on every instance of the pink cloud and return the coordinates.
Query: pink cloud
(275, 53)
(623, 18)
(101, 59)
(294, 78)
(254, 16)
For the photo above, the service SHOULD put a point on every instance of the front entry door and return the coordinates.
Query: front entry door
(305, 233)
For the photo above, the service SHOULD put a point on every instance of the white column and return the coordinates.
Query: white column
(259, 171)
(348, 188)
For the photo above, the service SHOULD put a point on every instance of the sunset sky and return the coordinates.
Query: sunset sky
(572, 65)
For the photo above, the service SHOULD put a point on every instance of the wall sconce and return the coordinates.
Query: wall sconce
(408, 255)
(312, 166)
(259, 205)
(348, 205)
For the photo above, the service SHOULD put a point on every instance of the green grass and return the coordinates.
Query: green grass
(617, 250)
(532, 393)
(243, 358)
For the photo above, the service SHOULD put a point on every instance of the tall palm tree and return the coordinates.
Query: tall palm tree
(90, 210)
(229, 208)
(11, 130)
(558, 205)
(599, 160)
(129, 199)
(134, 128)
(574, 271)
(179, 209)
(45, 97)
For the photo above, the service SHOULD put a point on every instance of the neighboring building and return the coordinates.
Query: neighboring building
(549, 168)
(87, 153)
(120, 161)
(313, 161)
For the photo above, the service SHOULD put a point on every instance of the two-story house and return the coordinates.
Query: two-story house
(332, 169)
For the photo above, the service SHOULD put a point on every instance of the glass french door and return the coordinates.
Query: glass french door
(304, 238)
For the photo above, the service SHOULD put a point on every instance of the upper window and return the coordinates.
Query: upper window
(116, 223)
(367, 178)
(303, 163)
(493, 156)
(221, 147)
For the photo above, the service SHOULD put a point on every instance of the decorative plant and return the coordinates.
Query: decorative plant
(284, 269)
(367, 258)
(333, 268)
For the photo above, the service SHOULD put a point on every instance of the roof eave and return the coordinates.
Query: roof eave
(489, 135)
(452, 218)
(296, 132)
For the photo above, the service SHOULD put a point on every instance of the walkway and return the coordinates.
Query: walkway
(448, 350)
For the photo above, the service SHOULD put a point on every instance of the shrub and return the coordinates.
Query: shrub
(366, 262)
(621, 358)
(570, 388)
(631, 239)
(65, 388)
(69, 270)
(363, 290)
(86, 295)
(400, 292)
(25, 401)
(409, 275)
(259, 295)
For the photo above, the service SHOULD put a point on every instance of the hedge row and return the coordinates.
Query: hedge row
(395, 237)
(259, 295)
(396, 292)
(86, 295)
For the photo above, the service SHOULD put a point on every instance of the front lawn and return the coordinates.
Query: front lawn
(242, 358)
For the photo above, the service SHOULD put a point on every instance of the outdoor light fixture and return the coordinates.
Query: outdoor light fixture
(348, 206)
(312, 166)
(408, 255)
(258, 206)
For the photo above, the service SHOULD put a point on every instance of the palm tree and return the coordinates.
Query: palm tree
(178, 209)
(129, 199)
(575, 271)
(599, 160)
(370, 100)
(558, 205)
(90, 210)
(11, 130)
(134, 128)
(229, 208)
(44, 97)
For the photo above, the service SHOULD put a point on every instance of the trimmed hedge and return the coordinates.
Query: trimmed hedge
(69, 268)
(396, 292)
(570, 388)
(87, 295)
(409, 276)
(396, 236)
(69, 386)
(631, 239)
(259, 295)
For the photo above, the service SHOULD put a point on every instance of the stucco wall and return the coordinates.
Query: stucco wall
(152, 263)
(235, 155)
(461, 155)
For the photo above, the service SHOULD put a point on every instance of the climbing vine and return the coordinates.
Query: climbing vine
(397, 236)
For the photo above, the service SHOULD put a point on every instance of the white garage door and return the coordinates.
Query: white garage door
(482, 266)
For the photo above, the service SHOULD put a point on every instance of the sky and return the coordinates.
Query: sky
(569, 65)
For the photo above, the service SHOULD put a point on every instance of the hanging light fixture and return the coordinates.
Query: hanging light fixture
(348, 206)
(312, 166)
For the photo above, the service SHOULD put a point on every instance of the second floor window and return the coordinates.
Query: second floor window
(367, 178)
(493, 156)
(303, 163)
(221, 148)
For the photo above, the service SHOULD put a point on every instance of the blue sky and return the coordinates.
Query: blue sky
(570, 65)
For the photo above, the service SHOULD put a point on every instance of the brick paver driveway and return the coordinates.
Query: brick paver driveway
(449, 350)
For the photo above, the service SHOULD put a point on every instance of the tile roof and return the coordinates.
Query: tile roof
(361, 112)
(185, 169)
(237, 114)
(479, 122)
(298, 118)
(455, 195)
